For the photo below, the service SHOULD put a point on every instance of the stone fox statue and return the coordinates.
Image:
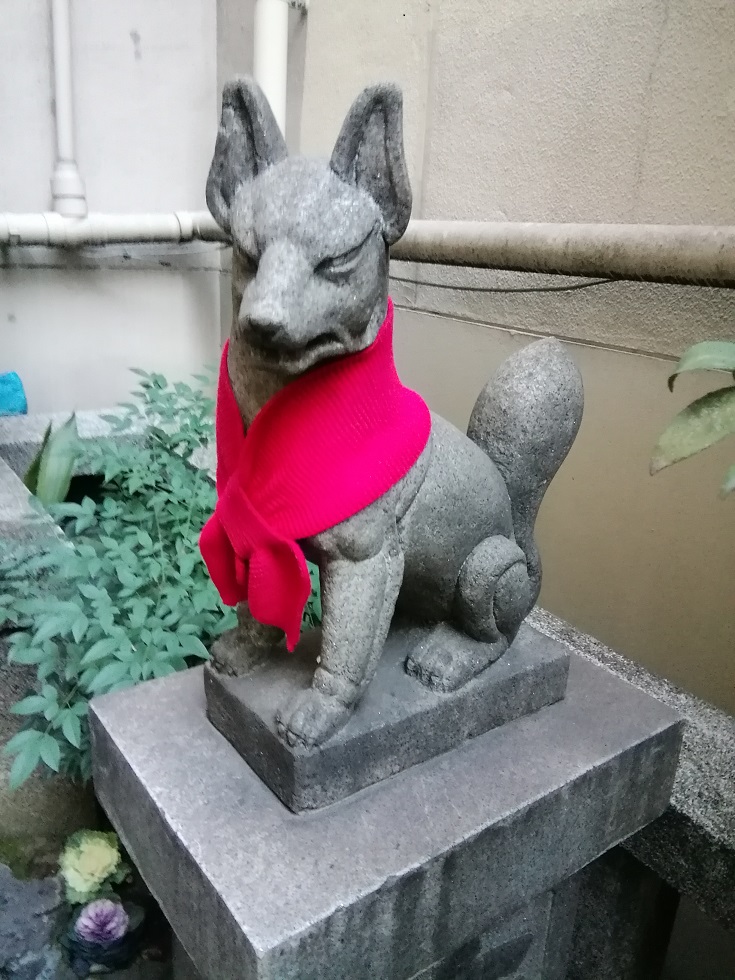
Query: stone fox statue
(449, 539)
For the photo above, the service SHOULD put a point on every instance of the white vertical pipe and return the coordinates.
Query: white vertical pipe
(270, 54)
(67, 186)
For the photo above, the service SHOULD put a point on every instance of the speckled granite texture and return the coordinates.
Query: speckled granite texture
(692, 846)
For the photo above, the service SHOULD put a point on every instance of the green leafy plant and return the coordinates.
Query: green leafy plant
(706, 420)
(124, 595)
(49, 475)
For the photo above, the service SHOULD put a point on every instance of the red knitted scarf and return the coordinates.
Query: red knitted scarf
(323, 448)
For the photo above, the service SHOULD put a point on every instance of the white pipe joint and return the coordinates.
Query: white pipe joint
(270, 54)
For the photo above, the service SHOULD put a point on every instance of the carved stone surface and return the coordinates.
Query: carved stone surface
(452, 542)
(396, 725)
(396, 878)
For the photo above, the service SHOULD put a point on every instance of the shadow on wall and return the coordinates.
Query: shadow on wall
(645, 564)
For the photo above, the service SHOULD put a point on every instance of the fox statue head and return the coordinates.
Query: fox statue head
(310, 238)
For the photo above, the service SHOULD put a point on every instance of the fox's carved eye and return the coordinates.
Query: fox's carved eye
(338, 266)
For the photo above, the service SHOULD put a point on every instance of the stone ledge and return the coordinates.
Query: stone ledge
(692, 846)
(21, 437)
(20, 523)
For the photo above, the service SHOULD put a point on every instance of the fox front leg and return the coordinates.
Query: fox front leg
(359, 593)
(240, 650)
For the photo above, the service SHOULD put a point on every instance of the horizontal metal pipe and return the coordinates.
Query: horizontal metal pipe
(696, 254)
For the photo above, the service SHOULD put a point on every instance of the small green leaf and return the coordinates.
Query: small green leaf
(58, 459)
(99, 650)
(79, 628)
(24, 764)
(186, 564)
(72, 729)
(124, 650)
(710, 355)
(51, 752)
(193, 646)
(26, 655)
(52, 711)
(121, 685)
(50, 627)
(32, 705)
(108, 676)
(22, 740)
(698, 426)
(31, 477)
(729, 482)
(126, 577)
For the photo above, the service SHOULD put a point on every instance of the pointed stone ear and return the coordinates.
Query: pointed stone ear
(369, 154)
(248, 141)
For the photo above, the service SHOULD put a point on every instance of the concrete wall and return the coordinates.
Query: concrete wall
(145, 98)
(571, 110)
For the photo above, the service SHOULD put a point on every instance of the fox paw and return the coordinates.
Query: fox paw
(231, 656)
(311, 719)
(446, 659)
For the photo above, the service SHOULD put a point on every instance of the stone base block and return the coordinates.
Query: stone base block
(398, 724)
(394, 880)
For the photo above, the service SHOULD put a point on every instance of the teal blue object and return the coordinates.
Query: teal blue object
(12, 396)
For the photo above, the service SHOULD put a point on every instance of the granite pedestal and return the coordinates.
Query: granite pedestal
(398, 724)
(431, 873)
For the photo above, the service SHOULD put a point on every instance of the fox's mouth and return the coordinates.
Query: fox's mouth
(294, 359)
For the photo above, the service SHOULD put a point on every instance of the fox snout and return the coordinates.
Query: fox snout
(264, 328)
(266, 314)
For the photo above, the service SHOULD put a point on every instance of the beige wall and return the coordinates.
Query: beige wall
(647, 565)
(549, 110)
(571, 110)
(557, 110)
(145, 97)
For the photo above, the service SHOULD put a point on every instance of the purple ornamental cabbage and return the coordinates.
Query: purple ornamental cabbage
(102, 921)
